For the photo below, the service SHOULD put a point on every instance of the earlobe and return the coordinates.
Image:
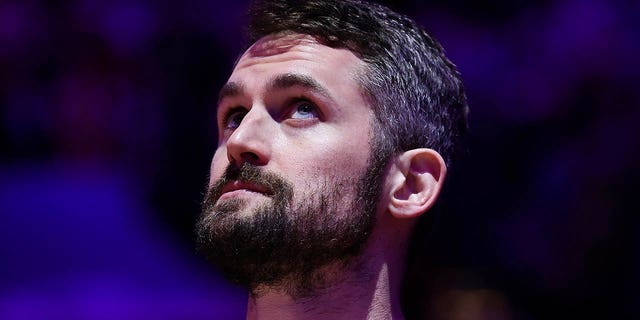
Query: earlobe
(417, 183)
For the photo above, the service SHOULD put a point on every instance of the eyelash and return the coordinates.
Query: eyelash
(296, 102)
(289, 111)
(227, 116)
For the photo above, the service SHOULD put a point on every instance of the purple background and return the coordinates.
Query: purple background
(107, 128)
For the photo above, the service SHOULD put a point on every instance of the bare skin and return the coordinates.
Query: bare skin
(328, 138)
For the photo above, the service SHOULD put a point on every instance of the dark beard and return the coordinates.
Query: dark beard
(284, 245)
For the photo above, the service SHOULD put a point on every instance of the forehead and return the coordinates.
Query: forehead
(300, 54)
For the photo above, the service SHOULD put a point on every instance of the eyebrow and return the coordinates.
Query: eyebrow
(288, 80)
(279, 82)
(231, 89)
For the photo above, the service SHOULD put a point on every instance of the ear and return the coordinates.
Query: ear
(416, 183)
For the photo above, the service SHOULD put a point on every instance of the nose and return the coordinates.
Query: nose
(251, 141)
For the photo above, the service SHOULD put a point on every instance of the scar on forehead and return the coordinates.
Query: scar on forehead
(278, 43)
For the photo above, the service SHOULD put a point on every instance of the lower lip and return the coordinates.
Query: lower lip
(239, 193)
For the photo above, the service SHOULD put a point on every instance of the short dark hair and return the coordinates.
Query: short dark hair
(415, 91)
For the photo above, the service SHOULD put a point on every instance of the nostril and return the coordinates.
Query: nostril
(250, 157)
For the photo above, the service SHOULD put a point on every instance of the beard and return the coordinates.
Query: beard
(283, 243)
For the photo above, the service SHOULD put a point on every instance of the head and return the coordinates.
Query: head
(339, 118)
(415, 92)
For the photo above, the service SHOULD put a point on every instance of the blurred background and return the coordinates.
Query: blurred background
(107, 129)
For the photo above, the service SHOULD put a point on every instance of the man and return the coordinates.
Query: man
(335, 130)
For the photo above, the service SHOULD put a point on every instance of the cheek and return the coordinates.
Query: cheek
(348, 152)
(218, 165)
(331, 162)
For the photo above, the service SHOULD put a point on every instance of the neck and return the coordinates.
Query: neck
(368, 290)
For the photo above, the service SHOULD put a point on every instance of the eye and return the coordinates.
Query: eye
(233, 118)
(304, 110)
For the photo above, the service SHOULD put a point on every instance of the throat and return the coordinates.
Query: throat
(357, 293)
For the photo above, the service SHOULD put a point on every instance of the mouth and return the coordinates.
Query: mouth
(237, 187)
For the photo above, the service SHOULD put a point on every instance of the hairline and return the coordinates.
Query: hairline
(359, 76)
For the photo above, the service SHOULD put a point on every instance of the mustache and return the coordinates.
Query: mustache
(276, 185)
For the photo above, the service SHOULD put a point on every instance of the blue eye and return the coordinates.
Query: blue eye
(304, 110)
(234, 118)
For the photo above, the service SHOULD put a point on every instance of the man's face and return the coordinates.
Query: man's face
(271, 114)
(291, 184)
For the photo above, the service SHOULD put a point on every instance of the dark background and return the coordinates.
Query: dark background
(107, 129)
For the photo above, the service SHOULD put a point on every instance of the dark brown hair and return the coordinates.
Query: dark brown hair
(415, 91)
